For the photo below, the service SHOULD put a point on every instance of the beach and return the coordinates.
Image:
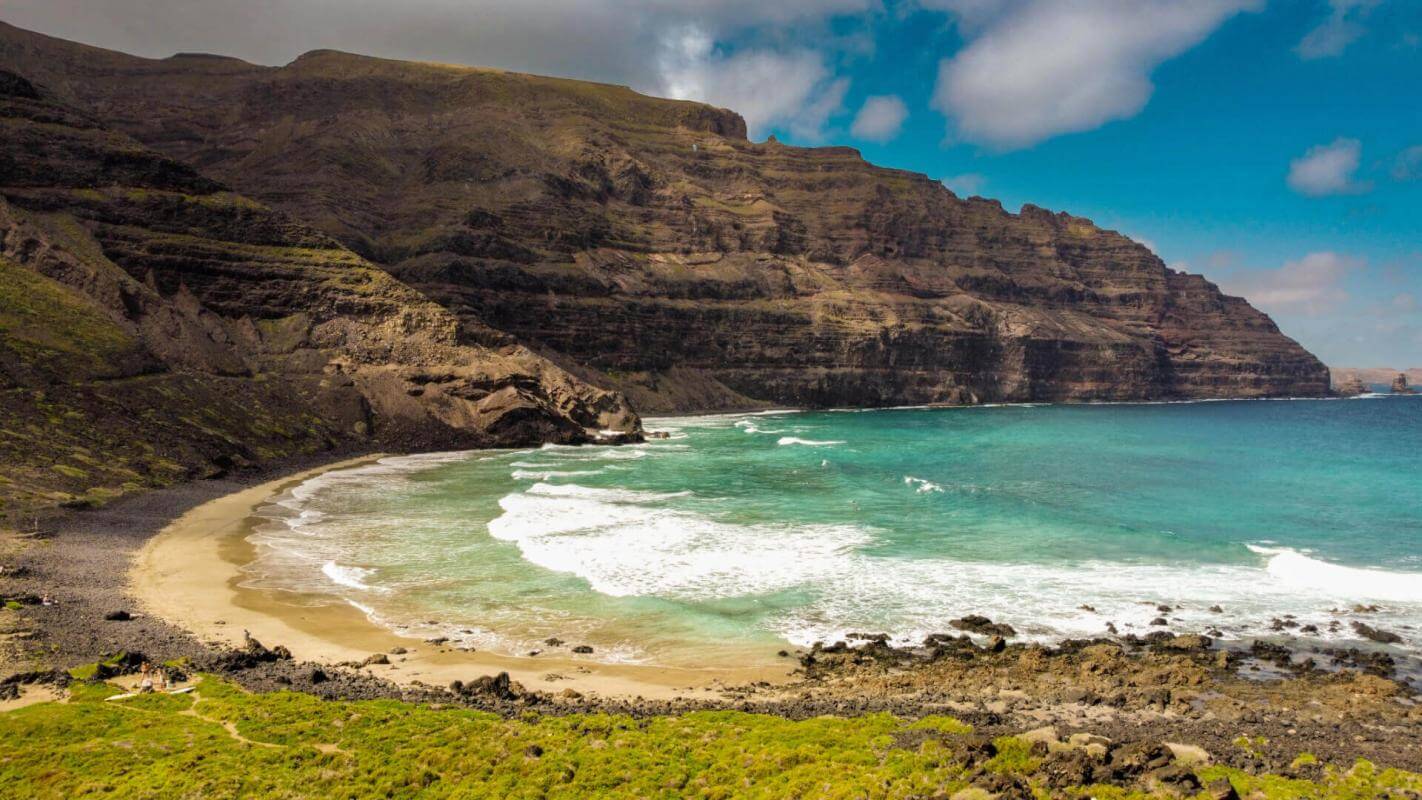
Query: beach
(189, 575)
(742, 535)
(171, 558)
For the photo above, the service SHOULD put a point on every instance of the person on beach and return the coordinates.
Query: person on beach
(145, 683)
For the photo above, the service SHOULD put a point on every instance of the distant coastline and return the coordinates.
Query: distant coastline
(1375, 376)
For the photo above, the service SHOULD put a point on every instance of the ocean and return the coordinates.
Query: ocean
(744, 534)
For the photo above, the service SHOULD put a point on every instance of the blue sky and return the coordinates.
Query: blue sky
(1201, 172)
(1274, 146)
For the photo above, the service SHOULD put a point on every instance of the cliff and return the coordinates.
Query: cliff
(648, 246)
(155, 326)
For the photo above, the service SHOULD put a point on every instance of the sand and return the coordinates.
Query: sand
(189, 575)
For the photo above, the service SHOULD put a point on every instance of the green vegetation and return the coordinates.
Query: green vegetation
(53, 328)
(222, 742)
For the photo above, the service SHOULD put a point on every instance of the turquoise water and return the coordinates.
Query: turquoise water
(742, 533)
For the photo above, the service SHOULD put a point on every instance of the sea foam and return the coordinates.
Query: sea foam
(1293, 568)
(629, 543)
(784, 440)
(352, 577)
(922, 486)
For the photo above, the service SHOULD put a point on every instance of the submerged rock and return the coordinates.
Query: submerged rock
(1376, 634)
(976, 623)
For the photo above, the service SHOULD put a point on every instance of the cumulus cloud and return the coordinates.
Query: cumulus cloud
(1342, 28)
(1408, 166)
(768, 60)
(1311, 286)
(965, 185)
(1327, 169)
(794, 88)
(1033, 69)
(880, 118)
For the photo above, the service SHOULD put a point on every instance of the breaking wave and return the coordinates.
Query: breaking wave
(784, 440)
(1294, 568)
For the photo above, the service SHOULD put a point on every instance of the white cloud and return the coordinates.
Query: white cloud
(1327, 169)
(965, 185)
(1311, 286)
(880, 118)
(1408, 166)
(795, 88)
(1038, 68)
(1341, 29)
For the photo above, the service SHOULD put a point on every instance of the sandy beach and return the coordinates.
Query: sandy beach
(172, 558)
(189, 575)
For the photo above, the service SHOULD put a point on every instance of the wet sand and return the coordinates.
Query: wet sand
(189, 575)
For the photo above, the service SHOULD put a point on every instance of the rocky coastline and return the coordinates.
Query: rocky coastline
(1102, 709)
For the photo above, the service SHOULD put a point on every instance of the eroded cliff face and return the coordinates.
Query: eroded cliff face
(649, 246)
(155, 326)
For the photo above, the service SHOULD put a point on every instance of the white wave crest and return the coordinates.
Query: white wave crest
(627, 543)
(351, 577)
(922, 486)
(785, 440)
(630, 543)
(1293, 568)
(543, 475)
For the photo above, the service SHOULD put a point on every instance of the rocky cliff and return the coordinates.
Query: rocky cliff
(648, 246)
(155, 326)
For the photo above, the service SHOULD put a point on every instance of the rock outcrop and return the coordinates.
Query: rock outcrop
(1350, 386)
(1374, 376)
(155, 326)
(648, 246)
(1399, 384)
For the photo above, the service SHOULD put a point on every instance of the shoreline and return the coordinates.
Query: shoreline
(189, 575)
(774, 410)
(1169, 687)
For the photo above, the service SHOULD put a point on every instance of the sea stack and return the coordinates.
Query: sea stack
(1399, 385)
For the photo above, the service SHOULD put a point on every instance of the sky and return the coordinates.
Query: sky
(1274, 146)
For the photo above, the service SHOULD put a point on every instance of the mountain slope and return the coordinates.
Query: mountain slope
(154, 326)
(651, 247)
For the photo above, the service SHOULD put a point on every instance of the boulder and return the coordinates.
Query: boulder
(1376, 634)
(976, 623)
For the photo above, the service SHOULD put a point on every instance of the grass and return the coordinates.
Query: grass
(54, 328)
(222, 742)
